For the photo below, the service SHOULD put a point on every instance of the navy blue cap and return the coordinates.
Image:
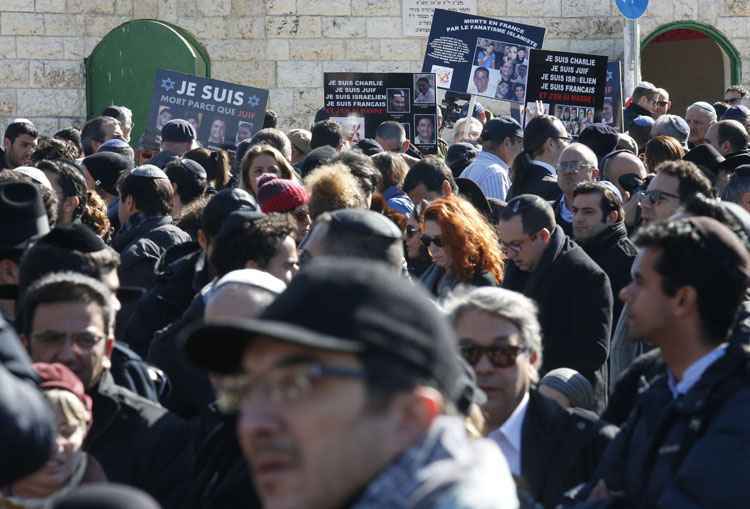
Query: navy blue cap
(195, 168)
(497, 129)
(738, 112)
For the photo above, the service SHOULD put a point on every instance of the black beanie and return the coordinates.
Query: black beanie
(106, 167)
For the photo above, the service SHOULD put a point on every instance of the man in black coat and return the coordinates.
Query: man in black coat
(145, 203)
(67, 318)
(643, 102)
(181, 273)
(692, 421)
(573, 293)
(552, 448)
(578, 164)
(599, 228)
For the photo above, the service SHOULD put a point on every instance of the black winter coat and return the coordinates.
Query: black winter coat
(141, 243)
(139, 443)
(27, 423)
(221, 477)
(631, 112)
(180, 274)
(575, 309)
(614, 252)
(735, 160)
(688, 452)
(536, 180)
(560, 448)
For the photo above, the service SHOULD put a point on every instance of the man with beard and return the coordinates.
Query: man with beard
(19, 143)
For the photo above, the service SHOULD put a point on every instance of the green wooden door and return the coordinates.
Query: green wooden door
(122, 67)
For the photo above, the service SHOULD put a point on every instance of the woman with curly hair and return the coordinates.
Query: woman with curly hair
(464, 248)
(261, 159)
(95, 215)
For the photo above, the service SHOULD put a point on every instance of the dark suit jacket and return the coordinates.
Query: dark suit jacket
(536, 180)
(560, 448)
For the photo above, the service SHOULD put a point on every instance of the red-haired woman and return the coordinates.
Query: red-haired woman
(463, 247)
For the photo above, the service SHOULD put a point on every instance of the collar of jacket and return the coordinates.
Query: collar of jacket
(107, 401)
(606, 237)
(558, 244)
(138, 225)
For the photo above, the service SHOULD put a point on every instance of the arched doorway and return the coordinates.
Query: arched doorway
(692, 61)
(122, 67)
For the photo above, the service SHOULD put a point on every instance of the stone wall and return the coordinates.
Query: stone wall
(286, 45)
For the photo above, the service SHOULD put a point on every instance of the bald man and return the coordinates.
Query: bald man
(619, 165)
(577, 163)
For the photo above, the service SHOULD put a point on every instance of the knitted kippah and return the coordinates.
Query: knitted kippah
(280, 195)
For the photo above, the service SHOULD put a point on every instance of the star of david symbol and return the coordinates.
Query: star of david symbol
(609, 75)
(167, 84)
(253, 100)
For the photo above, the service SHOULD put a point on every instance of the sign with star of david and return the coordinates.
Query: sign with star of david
(222, 113)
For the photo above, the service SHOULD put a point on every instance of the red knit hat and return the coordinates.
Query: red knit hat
(280, 195)
(58, 376)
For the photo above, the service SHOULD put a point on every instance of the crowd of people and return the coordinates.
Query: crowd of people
(529, 318)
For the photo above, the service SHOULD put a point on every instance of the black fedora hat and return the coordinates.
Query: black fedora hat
(23, 217)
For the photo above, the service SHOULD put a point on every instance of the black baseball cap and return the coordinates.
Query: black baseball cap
(192, 168)
(497, 129)
(364, 222)
(344, 305)
(221, 205)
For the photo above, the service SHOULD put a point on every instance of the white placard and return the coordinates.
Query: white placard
(417, 14)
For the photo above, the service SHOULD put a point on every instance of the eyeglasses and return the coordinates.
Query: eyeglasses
(662, 103)
(566, 139)
(427, 240)
(655, 196)
(515, 246)
(83, 340)
(499, 356)
(573, 166)
(411, 230)
(292, 383)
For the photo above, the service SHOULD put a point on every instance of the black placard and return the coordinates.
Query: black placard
(360, 102)
(222, 113)
(481, 56)
(570, 86)
(612, 109)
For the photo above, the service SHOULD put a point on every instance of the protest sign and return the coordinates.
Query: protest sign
(222, 114)
(612, 110)
(417, 14)
(360, 102)
(482, 56)
(570, 86)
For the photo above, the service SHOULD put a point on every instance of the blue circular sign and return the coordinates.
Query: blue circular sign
(632, 9)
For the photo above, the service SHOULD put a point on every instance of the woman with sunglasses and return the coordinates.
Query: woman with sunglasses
(464, 248)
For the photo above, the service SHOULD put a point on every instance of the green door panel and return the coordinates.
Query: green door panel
(122, 67)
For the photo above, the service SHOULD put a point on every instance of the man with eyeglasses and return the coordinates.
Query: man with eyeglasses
(675, 184)
(573, 293)
(662, 104)
(578, 163)
(643, 102)
(68, 318)
(350, 373)
(502, 141)
(551, 448)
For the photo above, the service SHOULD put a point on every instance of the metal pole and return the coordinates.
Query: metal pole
(632, 56)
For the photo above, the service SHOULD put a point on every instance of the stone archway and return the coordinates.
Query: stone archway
(693, 61)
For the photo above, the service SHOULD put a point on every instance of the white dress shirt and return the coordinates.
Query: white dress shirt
(694, 373)
(508, 436)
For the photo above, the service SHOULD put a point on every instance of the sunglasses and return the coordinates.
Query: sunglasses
(411, 230)
(427, 240)
(662, 103)
(655, 196)
(499, 356)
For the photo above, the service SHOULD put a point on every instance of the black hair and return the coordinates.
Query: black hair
(215, 162)
(608, 202)
(734, 134)
(191, 217)
(53, 149)
(345, 242)
(187, 185)
(391, 130)
(94, 130)
(483, 69)
(151, 196)
(271, 119)
(72, 135)
(17, 129)
(686, 258)
(430, 171)
(535, 213)
(255, 240)
(535, 135)
(64, 287)
(69, 175)
(691, 179)
(326, 132)
(117, 112)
